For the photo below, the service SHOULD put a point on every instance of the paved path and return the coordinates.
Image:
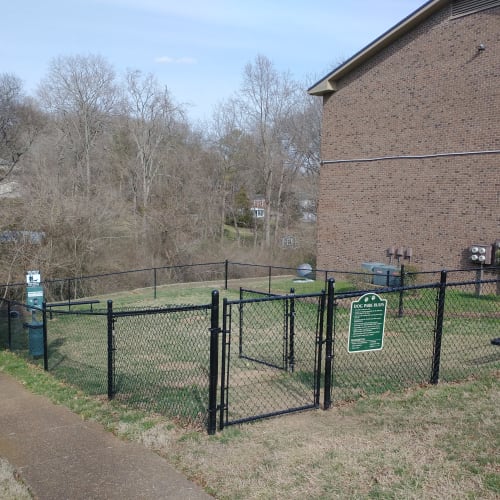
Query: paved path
(60, 456)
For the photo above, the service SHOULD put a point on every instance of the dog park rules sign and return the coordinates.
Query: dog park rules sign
(366, 326)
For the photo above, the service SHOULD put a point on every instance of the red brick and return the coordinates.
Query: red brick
(430, 92)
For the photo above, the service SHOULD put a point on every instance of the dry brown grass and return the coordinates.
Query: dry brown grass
(435, 442)
(430, 442)
(11, 486)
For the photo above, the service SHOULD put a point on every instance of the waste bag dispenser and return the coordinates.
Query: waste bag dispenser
(35, 338)
(34, 301)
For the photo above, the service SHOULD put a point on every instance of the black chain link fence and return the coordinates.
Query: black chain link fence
(407, 354)
(158, 361)
(161, 357)
(471, 324)
(77, 347)
(13, 318)
(230, 274)
(417, 349)
(162, 360)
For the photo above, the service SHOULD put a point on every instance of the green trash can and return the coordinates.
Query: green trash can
(35, 338)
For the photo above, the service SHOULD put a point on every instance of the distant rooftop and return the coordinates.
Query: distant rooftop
(32, 237)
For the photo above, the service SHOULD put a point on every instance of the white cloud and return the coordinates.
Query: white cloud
(175, 60)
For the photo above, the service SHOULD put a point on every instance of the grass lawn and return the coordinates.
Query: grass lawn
(388, 435)
(426, 442)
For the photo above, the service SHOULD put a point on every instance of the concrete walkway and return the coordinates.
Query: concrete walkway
(61, 456)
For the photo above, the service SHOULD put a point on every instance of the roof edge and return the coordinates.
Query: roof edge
(327, 84)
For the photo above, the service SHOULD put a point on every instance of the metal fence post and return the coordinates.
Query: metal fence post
(479, 279)
(9, 326)
(319, 344)
(226, 272)
(329, 344)
(224, 355)
(45, 349)
(154, 282)
(401, 292)
(438, 335)
(270, 272)
(291, 353)
(110, 349)
(214, 363)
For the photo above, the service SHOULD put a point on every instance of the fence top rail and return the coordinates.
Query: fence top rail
(472, 282)
(60, 312)
(264, 266)
(72, 303)
(134, 312)
(259, 292)
(162, 310)
(221, 263)
(274, 297)
(359, 293)
(116, 273)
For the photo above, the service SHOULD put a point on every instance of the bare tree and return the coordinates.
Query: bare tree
(232, 147)
(268, 100)
(81, 92)
(268, 140)
(302, 140)
(153, 120)
(20, 122)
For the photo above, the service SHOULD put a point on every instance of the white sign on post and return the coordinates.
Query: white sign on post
(33, 278)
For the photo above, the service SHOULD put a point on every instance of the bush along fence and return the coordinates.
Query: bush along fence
(261, 354)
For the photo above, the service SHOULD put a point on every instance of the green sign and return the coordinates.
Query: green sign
(366, 326)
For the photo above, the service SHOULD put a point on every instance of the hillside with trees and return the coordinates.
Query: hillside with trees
(102, 172)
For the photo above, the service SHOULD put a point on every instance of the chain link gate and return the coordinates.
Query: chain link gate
(276, 367)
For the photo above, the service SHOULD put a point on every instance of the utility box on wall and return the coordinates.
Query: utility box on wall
(481, 254)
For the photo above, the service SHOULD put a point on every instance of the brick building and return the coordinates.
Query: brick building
(411, 141)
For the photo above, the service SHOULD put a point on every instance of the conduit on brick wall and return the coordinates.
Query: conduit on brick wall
(410, 157)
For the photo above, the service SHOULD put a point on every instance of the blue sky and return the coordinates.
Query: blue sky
(198, 48)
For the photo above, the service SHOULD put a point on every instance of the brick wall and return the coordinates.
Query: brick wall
(430, 92)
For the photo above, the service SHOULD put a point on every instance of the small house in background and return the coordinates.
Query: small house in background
(22, 237)
(258, 207)
(289, 241)
(411, 141)
(307, 210)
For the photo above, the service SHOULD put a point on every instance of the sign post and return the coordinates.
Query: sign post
(367, 322)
